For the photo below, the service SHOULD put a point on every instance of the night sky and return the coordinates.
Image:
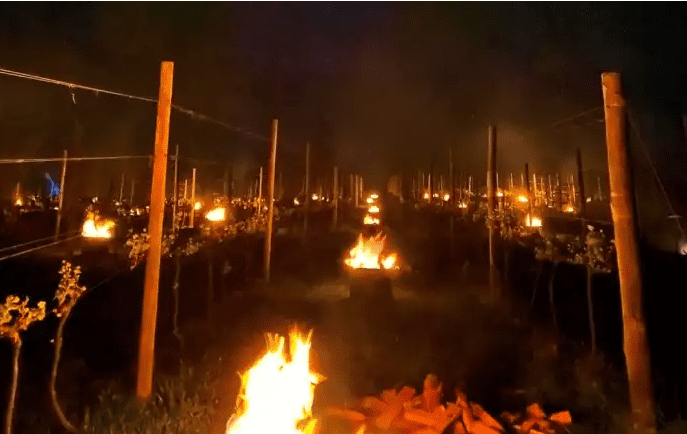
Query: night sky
(380, 87)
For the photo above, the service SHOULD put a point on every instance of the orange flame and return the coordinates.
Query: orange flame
(277, 394)
(370, 220)
(217, 215)
(94, 227)
(369, 253)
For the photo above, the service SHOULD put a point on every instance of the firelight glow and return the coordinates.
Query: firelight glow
(217, 215)
(569, 208)
(447, 197)
(374, 209)
(370, 220)
(374, 196)
(522, 199)
(369, 200)
(197, 206)
(535, 222)
(277, 392)
(94, 227)
(368, 253)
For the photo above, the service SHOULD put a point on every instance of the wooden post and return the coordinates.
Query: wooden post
(270, 200)
(336, 198)
(121, 190)
(580, 185)
(185, 189)
(491, 206)
(175, 200)
(193, 199)
(58, 223)
(306, 206)
(352, 188)
(260, 186)
(146, 352)
(225, 185)
(526, 178)
(635, 341)
(357, 190)
(131, 198)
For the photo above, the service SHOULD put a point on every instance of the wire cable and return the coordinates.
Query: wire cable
(655, 173)
(72, 86)
(60, 159)
(16, 246)
(23, 252)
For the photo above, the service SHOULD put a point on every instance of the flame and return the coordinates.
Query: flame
(535, 222)
(370, 220)
(522, 199)
(369, 253)
(569, 208)
(374, 209)
(426, 196)
(218, 214)
(296, 202)
(277, 394)
(462, 205)
(197, 206)
(369, 200)
(499, 194)
(447, 197)
(94, 227)
(374, 196)
(315, 196)
(18, 202)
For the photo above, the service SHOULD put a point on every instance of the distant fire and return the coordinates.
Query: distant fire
(374, 209)
(315, 197)
(96, 227)
(197, 206)
(447, 197)
(18, 202)
(276, 394)
(370, 220)
(569, 208)
(426, 196)
(369, 200)
(522, 199)
(534, 222)
(218, 214)
(462, 205)
(374, 196)
(369, 253)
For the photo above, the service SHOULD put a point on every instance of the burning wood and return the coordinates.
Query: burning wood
(96, 227)
(369, 253)
(370, 220)
(277, 394)
(218, 214)
(374, 209)
(405, 411)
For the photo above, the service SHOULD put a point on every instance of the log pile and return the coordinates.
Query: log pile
(406, 412)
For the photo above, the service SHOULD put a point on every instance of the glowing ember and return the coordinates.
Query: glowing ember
(315, 197)
(217, 215)
(370, 220)
(277, 394)
(462, 205)
(198, 206)
(94, 227)
(368, 253)
(534, 223)
(426, 196)
(522, 199)
(296, 202)
(447, 197)
(18, 202)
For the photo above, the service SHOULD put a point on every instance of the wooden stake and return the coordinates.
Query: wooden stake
(306, 206)
(270, 200)
(175, 200)
(582, 203)
(193, 199)
(336, 198)
(61, 200)
(635, 341)
(491, 204)
(146, 352)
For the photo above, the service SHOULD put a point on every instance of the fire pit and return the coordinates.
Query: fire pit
(370, 268)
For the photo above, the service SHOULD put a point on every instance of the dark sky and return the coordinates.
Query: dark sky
(377, 86)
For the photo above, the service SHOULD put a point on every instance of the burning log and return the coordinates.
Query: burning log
(405, 411)
(96, 227)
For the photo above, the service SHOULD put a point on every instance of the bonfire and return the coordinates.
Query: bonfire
(370, 253)
(277, 392)
(96, 227)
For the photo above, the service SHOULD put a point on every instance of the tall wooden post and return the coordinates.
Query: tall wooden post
(357, 190)
(175, 200)
(260, 186)
(582, 203)
(491, 206)
(526, 178)
(193, 199)
(635, 342)
(306, 205)
(270, 200)
(225, 183)
(121, 190)
(58, 223)
(336, 198)
(131, 198)
(185, 189)
(146, 351)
